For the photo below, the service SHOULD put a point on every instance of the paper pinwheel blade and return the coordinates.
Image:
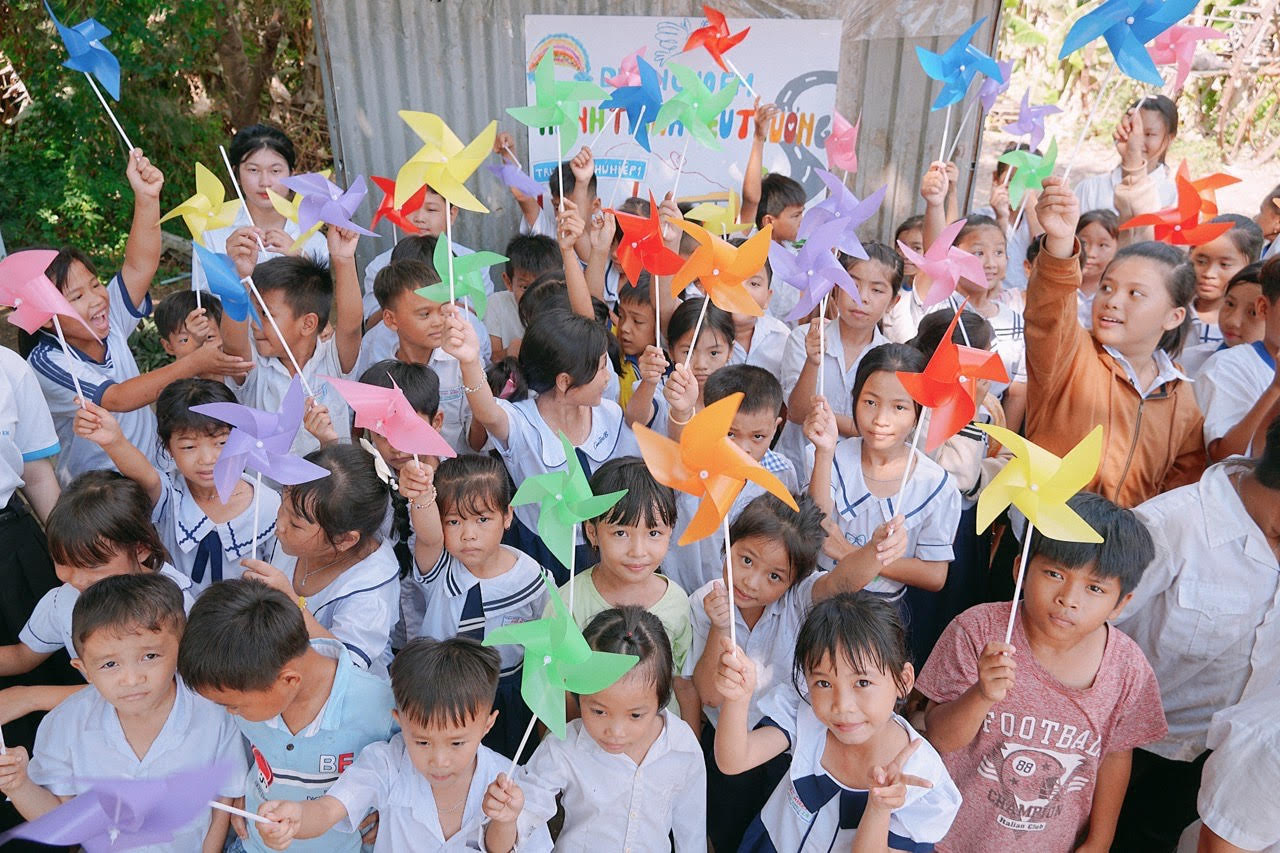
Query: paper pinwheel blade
(87, 54)
(993, 87)
(715, 37)
(641, 101)
(1177, 46)
(514, 177)
(956, 67)
(468, 282)
(721, 268)
(325, 202)
(842, 143)
(387, 209)
(720, 219)
(34, 298)
(1030, 170)
(207, 210)
(443, 163)
(1030, 121)
(814, 270)
(694, 106)
(945, 264)
(844, 206)
(224, 282)
(1127, 26)
(642, 246)
(628, 70)
(389, 413)
(556, 104)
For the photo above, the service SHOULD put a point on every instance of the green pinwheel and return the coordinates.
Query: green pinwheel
(566, 501)
(555, 102)
(467, 281)
(557, 660)
(1030, 170)
(695, 106)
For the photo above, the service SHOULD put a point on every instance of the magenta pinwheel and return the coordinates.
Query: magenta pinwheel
(842, 143)
(324, 201)
(388, 412)
(1177, 46)
(628, 70)
(945, 264)
(34, 298)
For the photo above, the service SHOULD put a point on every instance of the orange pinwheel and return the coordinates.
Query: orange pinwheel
(642, 247)
(1207, 188)
(948, 386)
(1182, 225)
(721, 268)
(706, 464)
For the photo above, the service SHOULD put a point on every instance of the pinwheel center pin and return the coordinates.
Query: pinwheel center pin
(1035, 487)
(546, 660)
(704, 474)
(258, 444)
(1129, 20)
(715, 272)
(559, 497)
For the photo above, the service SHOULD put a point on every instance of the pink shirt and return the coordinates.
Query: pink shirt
(1028, 777)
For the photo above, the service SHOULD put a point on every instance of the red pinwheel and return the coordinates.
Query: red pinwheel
(642, 246)
(715, 37)
(1207, 188)
(1181, 225)
(397, 216)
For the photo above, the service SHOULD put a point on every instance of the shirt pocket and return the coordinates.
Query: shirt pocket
(1210, 618)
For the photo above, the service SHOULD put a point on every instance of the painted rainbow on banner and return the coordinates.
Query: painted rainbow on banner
(568, 51)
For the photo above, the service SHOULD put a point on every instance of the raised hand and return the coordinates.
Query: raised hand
(890, 789)
(820, 426)
(716, 606)
(736, 674)
(145, 179)
(503, 800)
(97, 424)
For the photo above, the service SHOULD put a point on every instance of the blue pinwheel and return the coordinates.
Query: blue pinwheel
(641, 103)
(1030, 120)
(814, 270)
(324, 201)
(844, 207)
(224, 282)
(957, 66)
(86, 52)
(1127, 26)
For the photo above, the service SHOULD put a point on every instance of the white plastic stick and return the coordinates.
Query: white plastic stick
(528, 730)
(1017, 586)
(618, 183)
(198, 304)
(655, 290)
(71, 362)
(608, 120)
(728, 574)
(257, 504)
(514, 158)
(738, 74)
(1084, 131)
(560, 168)
(573, 556)
(964, 122)
(306, 386)
(822, 348)
(448, 233)
(110, 112)
(684, 153)
(223, 807)
(946, 130)
(235, 185)
(702, 315)
(906, 471)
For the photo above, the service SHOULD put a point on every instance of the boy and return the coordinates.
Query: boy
(1268, 220)
(636, 334)
(138, 721)
(1039, 735)
(759, 340)
(577, 176)
(434, 784)
(183, 328)
(528, 256)
(305, 707)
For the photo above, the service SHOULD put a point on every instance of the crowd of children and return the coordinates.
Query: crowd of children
(319, 644)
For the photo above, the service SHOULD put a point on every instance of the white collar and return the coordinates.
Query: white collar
(1166, 370)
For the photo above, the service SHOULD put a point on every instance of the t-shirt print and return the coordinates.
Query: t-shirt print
(1028, 780)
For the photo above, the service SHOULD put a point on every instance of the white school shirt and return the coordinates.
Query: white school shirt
(804, 812)
(930, 503)
(1204, 333)
(612, 804)
(182, 526)
(384, 778)
(1207, 609)
(1230, 384)
(26, 427)
(901, 320)
(770, 644)
(1009, 332)
(783, 299)
(359, 606)
(118, 365)
(768, 343)
(545, 223)
(265, 386)
(316, 247)
(49, 626)
(503, 318)
(1016, 245)
(382, 261)
(1194, 358)
(1098, 192)
(381, 343)
(516, 595)
(80, 743)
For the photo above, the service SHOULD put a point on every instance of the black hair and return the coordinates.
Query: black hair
(889, 358)
(1267, 469)
(416, 247)
(570, 182)
(240, 634)
(975, 221)
(1124, 553)
(761, 390)
(1036, 246)
(684, 320)
(1002, 168)
(1271, 196)
(646, 502)
(777, 193)
(544, 292)
(632, 630)
(535, 253)
(934, 325)
(911, 223)
(420, 384)
(350, 500)
(640, 292)
(1180, 285)
(256, 137)
(858, 628)
(1106, 219)
(303, 281)
(472, 484)
(883, 255)
(1251, 274)
(1245, 235)
(399, 277)
(1165, 108)
(99, 514)
(500, 373)
(561, 342)
(445, 682)
(60, 267)
(799, 533)
(173, 408)
(1269, 279)
(171, 314)
(132, 603)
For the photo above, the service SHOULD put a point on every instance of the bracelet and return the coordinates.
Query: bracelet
(430, 500)
(671, 418)
(302, 602)
(467, 390)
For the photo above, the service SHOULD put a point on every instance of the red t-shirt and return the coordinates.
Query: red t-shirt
(1027, 778)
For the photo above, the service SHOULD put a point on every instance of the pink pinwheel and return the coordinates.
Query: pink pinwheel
(35, 300)
(1177, 46)
(843, 206)
(842, 143)
(388, 412)
(814, 270)
(628, 70)
(324, 201)
(993, 88)
(945, 265)
(1031, 120)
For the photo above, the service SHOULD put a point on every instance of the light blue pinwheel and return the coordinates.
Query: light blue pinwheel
(86, 53)
(641, 103)
(1127, 26)
(556, 103)
(956, 67)
(844, 207)
(694, 106)
(814, 270)
(224, 283)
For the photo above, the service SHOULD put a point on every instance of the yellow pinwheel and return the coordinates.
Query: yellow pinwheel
(206, 210)
(720, 219)
(443, 162)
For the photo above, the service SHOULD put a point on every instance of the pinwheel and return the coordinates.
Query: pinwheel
(1177, 46)
(1181, 225)
(1030, 170)
(956, 67)
(1030, 120)
(842, 206)
(443, 162)
(288, 208)
(720, 219)
(224, 282)
(323, 201)
(694, 106)
(36, 300)
(720, 268)
(556, 103)
(641, 101)
(642, 246)
(516, 178)
(842, 143)
(1127, 26)
(717, 41)
(388, 210)
(208, 209)
(945, 265)
(628, 70)
(994, 87)
(814, 270)
(87, 54)
(389, 413)
(1207, 188)
(461, 275)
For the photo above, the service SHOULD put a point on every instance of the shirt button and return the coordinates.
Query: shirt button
(289, 746)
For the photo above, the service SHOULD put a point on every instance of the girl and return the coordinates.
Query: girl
(1157, 119)
(1099, 234)
(330, 558)
(682, 390)
(1215, 263)
(852, 755)
(629, 771)
(206, 537)
(469, 581)
(1123, 376)
(1238, 321)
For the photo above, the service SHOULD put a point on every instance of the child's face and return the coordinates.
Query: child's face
(294, 328)
(1133, 308)
(854, 704)
(1155, 135)
(257, 706)
(635, 327)
(914, 239)
(88, 295)
(124, 561)
(592, 392)
(431, 217)
(261, 171)
(623, 718)
(474, 538)
(753, 431)
(396, 459)
(416, 319)
(1215, 263)
(884, 412)
(1099, 248)
(762, 572)
(1238, 317)
(444, 751)
(1066, 604)
(760, 289)
(194, 453)
(131, 667)
(1269, 218)
(519, 283)
(786, 225)
(876, 290)
(630, 553)
(987, 244)
(709, 355)
(297, 536)
(181, 342)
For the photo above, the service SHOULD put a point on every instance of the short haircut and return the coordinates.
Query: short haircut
(777, 193)
(761, 390)
(1268, 467)
(563, 172)
(855, 627)
(545, 292)
(1269, 278)
(889, 358)
(1124, 553)
(240, 634)
(934, 325)
(99, 514)
(472, 484)
(533, 253)
(420, 384)
(632, 630)
(400, 277)
(911, 223)
(350, 500)
(415, 247)
(800, 533)
(174, 413)
(974, 222)
(123, 603)
(60, 267)
(1251, 274)
(646, 502)
(304, 282)
(170, 315)
(638, 293)
(445, 682)
(1245, 235)
(881, 254)
(1103, 218)
(684, 320)
(558, 342)
(1180, 285)
(256, 137)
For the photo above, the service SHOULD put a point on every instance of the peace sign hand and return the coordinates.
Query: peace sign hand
(890, 790)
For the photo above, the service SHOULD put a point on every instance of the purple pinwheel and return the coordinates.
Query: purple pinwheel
(814, 270)
(86, 53)
(261, 441)
(641, 102)
(124, 814)
(516, 178)
(844, 207)
(225, 283)
(1128, 26)
(957, 66)
(324, 201)
(1031, 120)
(945, 265)
(993, 87)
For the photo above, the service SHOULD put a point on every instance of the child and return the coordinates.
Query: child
(1042, 754)
(903, 315)
(433, 783)
(1215, 263)
(759, 340)
(857, 480)
(1099, 234)
(305, 706)
(1157, 120)
(528, 256)
(636, 332)
(330, 559)
(577, 176)
(1238, 321)
(469, 581)
(1124, 376)
(711, 352)
(137, 721)
(629, 772)
(860, 775)
(1268, 219)
(782, 202)
(183, 327)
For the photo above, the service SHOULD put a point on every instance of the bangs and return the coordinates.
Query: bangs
(82, 547)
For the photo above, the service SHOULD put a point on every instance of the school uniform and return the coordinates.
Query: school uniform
(768, 343)
(302, 766)
(54, 370)
(1194, 358)
(81, 744)
(381, 344)
(610, 802)
(545, 223)
(265, 386)
(383, 260)
(1230, 384)
(316, 247)
(901, 320)
(1098, 192)
(502, 316)
(1204, 333)
(1008, 326)
(202, 550)
(782, 300)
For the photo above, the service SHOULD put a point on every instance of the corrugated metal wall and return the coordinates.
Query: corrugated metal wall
(463, 60)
